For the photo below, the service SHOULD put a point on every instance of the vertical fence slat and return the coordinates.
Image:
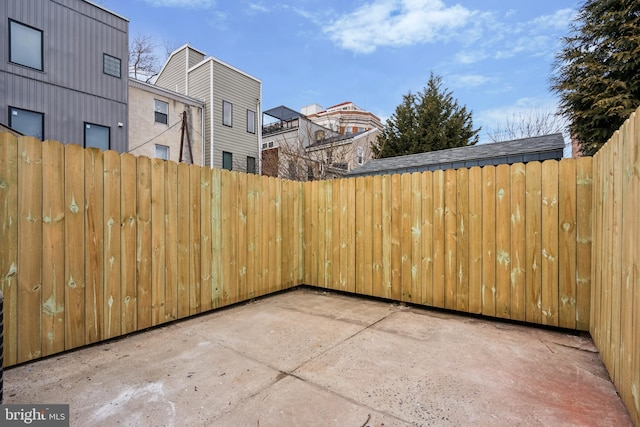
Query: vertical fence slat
(450, 250)
(217, 294)
(53, 299)
(277, 202)
(94, 255)
(567, 253)
(533, 278)
(328, 235)
(616, 254)
(488, 241)
(267, 230)
(634, 405)
(112, 296)
(584, 233)
(427, 238)
(518, 246)
(184, 245)
(438, 239)
(171, 220)
(128, 231)
(377, 284)
(261, 226)
(549, 260)
(251, 238)
(475, 240)
(206, 236)
(462, 256)
(143, 251)
(345, 241)
(416, 238)
(195, 241)
(158, 252)
(337, 229)
(359, 235)
(405, 239)
(351, 233)
(74, 247)
(274, 230)
(503, 241)
(367, 245)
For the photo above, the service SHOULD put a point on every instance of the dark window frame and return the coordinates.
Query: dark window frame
(224, 121)
(224, 160)
(84, 134)
(164, 147)
(104, 63)
(251, 122)
(41, 45)
(10, 121)
(157, 114)
(251, 164)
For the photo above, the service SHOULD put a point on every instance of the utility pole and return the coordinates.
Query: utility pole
(183, 131)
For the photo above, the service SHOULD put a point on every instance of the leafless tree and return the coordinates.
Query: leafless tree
(526, 125)
(143, 61)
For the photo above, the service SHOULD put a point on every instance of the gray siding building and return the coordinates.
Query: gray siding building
(539, 148)
(232, 104)
(64, 72)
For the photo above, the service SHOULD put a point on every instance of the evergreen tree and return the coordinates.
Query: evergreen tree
(597, 73)
(428, 121)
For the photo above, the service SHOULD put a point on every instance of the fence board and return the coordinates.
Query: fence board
(112, 294)
(73, 248)
(386, 236)
(416, 237)
(351, 232)
(337, 227)
(396, 235)
(427, 238)
(377, 287)
(367, 243)
(251, 276)
(462, 256)
(634, 405)
(277, 197)
(359, 230)
(616, 254)
(503, 241)
(94, 255)
(584, 188)
(475, 240)
(328, 234)
(171, 220)
(450, 223)
(345, 240)
(567, 244)
(268, 229)
(533, 278)
(438, 239)
(183, 240)
(53, 300)
(273, 236)
(518, 247)
(206, 236)
(194, 240)
(406, 237)
(128, 233)
(488, 241)
(158, 253)
(549, 260)
(143, 257)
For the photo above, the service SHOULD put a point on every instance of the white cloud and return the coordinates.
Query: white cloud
(468, 80)
(257, 7)
(395, 23)
(188, 4)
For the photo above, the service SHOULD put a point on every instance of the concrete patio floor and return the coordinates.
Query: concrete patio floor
(311, 358)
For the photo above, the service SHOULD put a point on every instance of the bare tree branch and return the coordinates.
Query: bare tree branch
(526, 125)
(143, 62)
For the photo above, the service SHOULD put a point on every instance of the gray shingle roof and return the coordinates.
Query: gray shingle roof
(518, 150)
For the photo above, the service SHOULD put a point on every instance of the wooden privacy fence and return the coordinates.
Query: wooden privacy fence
(97, 244)
(509, 241)
(615, 309)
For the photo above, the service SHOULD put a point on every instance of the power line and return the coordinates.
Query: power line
(161, 133)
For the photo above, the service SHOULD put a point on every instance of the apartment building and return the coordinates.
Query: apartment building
(346, 118)
(232, 106)
(63, 72)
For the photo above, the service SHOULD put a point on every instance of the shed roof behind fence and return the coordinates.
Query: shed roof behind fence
(524, 150)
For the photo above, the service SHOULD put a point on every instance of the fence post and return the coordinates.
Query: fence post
(1, 344)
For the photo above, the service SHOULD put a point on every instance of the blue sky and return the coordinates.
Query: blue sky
(494, 55)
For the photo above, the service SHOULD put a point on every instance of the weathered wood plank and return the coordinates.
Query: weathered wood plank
(518, 246)
(385, 253)
(416, 238)
(73, 250)
(533, 231)
(171, 220)
(206, 236)
(277, 194)
(128, 234)
(367, 242)
(274, 229)
(53, 300)
(616, 256)
(359, 230)
(143, 253)
(462, 255)
(112, 295)
(438, 239)
(451, 237)
(503, 241)
(94, 250)
(158, 254)
(549, 260)
(337, 233)
(351, 233)
(195, 241)
(217, 294)
(251, 276)
(488, 241)
(567, 252)
(327, 194)
(427, 238)
(584, 232)
(228, 239)
(183, 240)
(475, 240)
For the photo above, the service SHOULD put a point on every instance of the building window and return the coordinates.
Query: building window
(251, 121)
(227, 160)
(227, 113)
(25, 45)
(162, 152)
(96, 136)
(27, 122)
(360, 151)
(251, 164)
(161, 112)
(111, 65)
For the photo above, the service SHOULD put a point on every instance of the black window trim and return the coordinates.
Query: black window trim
(253, 159)
(253, 122)
(84, 134)
(231, 118)
(104, 55)
(41, 44)
(231, 158)
(157, 112)
(11, 108)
